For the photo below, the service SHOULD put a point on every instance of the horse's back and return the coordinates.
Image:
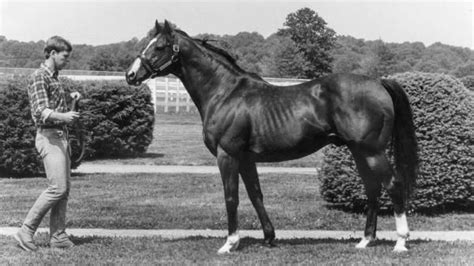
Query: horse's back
(340, 109)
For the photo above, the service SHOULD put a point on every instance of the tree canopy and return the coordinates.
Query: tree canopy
(303, 48)
(312, 42)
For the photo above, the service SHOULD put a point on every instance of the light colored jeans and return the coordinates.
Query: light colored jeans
(52, 144)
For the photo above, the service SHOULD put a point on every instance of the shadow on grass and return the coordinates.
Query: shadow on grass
(147, 155)
(150, 155)
(252, 242)
(84, 240)
(74, 174)
(457, 208)
(249, 243)
(42, 239)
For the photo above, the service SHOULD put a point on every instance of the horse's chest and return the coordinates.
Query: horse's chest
(210, 140)
(230, 134)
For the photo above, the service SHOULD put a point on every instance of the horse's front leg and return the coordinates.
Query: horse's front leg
(248, 171)
(229, 169)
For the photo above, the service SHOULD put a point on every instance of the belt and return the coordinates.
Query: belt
(58, 127)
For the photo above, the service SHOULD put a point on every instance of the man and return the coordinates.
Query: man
(50, 114)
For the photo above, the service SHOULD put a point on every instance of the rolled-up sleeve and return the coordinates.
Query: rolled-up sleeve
(39, 97)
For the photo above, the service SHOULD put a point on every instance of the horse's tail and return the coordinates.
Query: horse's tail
(404, 144)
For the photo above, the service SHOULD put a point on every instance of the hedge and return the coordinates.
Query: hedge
(117, 121)
(443, 115)
(468, 82)
(17, 150)
(119, 118)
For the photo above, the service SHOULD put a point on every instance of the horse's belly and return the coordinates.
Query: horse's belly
(282, 149)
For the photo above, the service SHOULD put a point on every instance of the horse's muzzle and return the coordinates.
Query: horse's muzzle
(131, 78)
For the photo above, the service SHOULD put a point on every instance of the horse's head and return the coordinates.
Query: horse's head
(157, 59)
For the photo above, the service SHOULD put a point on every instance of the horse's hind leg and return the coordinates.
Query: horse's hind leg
(395, 190)
(248, 171)
(229, 169)
(373, 168)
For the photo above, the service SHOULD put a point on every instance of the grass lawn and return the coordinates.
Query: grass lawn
(184, 201)
(177, 140)
(196, 201)
(202, 251)
(191, 201)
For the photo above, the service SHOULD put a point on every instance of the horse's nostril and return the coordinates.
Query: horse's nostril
(131, 75)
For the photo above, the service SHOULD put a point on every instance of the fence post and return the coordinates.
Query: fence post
(188, 105)
(177, 95)
(167, 85)
(153, 93)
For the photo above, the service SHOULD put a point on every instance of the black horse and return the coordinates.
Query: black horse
(247, 120)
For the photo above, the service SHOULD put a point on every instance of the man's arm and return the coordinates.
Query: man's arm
(40, 104)
(39, 98)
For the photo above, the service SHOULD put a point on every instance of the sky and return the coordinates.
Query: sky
(111, 21)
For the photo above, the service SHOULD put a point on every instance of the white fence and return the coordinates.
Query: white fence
(167, 92)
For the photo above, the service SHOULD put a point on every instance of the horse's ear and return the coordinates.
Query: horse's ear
(158, 28)
(167, 28)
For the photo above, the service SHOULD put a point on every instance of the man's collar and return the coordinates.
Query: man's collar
(51, 73)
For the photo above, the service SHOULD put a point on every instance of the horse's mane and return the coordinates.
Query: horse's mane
(222, 52)
(205, 43)
(229, 58)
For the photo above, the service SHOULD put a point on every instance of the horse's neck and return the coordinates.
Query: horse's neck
(202, 77)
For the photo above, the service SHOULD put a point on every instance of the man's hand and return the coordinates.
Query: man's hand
(65, 117)
(75, 95)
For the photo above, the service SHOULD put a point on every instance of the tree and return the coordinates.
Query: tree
(464, 70)
(348, 62)
(80, 56)
(312, 39)
(410, 53)
(248, 49)
(268, 63)
(369, 65)
(430, 66)
(290, 62)
(102, 61)
(386, 58)
(379, 60)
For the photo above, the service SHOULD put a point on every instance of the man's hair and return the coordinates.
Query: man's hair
(57, 44)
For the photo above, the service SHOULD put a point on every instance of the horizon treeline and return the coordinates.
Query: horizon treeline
(260, 55)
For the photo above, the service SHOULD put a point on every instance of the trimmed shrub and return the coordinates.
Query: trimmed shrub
(18, 154)
(443, 110)
(468, 82)
(117, 121)
(118, 118)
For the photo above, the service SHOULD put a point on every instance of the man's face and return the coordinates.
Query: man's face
(61, 59)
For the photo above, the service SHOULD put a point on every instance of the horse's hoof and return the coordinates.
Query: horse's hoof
(269, 244)
(230, 245)
(400, 246)
(226, 248)
(400, 249)
(364, 242)
(223, 250)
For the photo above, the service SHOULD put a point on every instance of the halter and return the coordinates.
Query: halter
(149, 67)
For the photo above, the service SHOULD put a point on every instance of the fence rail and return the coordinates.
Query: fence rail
(167, 92)
(65, 72)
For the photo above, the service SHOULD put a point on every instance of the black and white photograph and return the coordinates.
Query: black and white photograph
(158, 132)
